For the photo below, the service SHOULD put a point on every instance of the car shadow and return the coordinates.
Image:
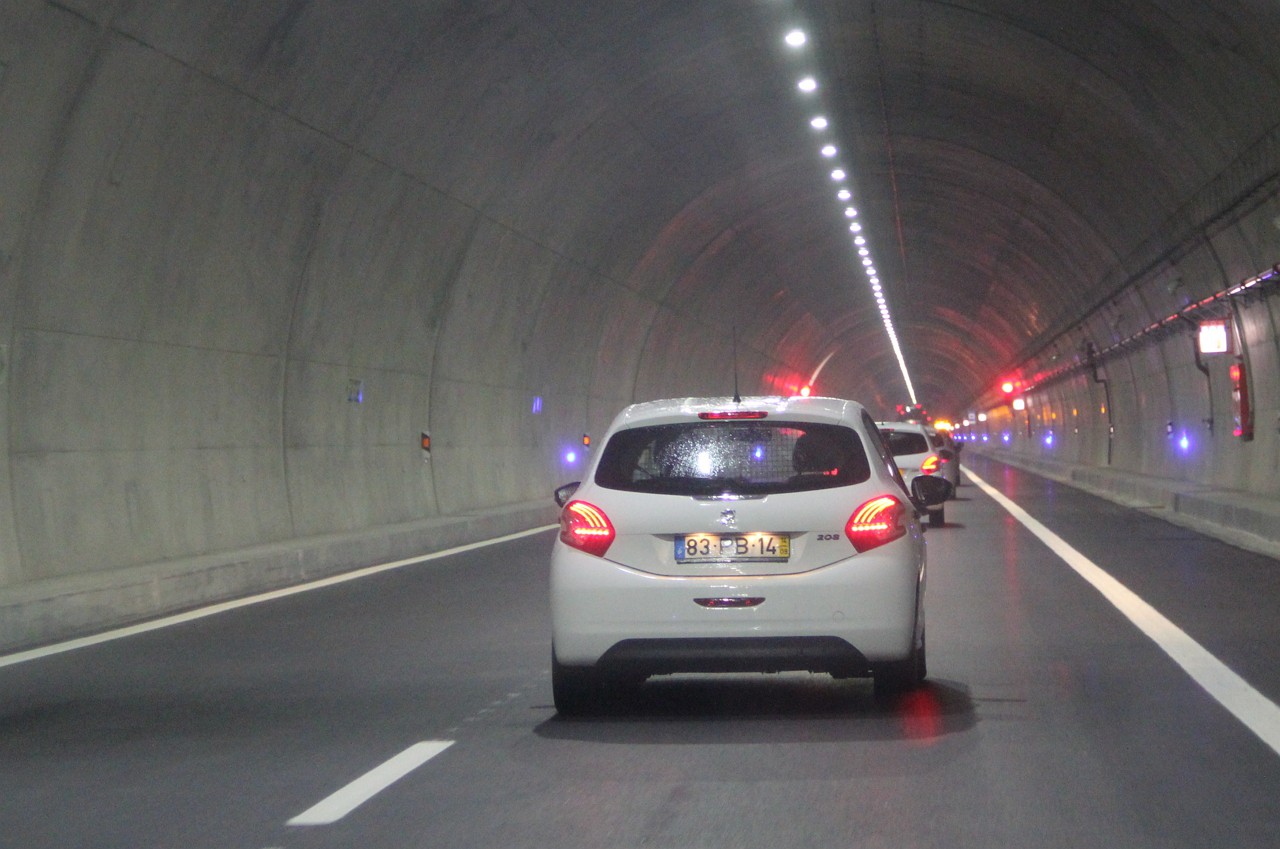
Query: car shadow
(769, 708)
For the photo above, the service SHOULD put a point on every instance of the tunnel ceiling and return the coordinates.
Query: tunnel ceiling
(1008, 159)
(1011, 161)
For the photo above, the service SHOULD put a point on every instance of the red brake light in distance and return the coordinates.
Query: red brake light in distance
(931, 464)
(585, 527)
(734, 414)
(875, 523)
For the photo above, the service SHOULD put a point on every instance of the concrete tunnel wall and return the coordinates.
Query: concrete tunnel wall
(250, 251)
(1156, 425)
(236, 289)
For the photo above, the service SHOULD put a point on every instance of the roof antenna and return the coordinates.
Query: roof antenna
(737, 399)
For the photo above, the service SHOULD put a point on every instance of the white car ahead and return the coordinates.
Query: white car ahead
(920, 450)
(719, 535)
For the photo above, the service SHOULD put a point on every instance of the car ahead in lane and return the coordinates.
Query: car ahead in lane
(738, 535)
(919, 450)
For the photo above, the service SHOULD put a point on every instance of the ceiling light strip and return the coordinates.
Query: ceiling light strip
(797, 39)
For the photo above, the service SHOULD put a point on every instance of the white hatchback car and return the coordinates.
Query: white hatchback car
(920, 450)
(752, 535)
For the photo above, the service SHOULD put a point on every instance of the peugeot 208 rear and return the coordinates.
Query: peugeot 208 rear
(713, 535)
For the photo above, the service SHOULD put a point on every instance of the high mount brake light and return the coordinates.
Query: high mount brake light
(734, 414)
(875, 523)
(931, 464)
(585, 527)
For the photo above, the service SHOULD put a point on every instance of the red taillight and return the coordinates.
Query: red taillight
(931, 464)
(875, 523)
(585, 527)
(734, 414)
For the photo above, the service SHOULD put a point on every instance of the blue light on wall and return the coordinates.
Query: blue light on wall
(1006, 437)
(1184, 442)
(1048, 439)
(537, 405)
(571, 457)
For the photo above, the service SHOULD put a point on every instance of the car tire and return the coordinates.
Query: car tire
(902, 676)
(938, 517)
(576, 690)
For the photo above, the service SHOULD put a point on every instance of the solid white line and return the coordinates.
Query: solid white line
(223, 607)
(337, 805)
(1258, 713)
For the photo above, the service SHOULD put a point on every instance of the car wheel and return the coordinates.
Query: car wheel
(938, 518)
(577, 690)
(897, 677)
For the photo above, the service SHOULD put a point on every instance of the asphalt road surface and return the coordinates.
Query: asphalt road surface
(412, 708)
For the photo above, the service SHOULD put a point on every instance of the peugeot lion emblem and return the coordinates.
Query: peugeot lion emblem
(729, 518)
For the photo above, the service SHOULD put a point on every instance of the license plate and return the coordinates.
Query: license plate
(733, 548)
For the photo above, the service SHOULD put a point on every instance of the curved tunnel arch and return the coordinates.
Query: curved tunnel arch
(249, 252)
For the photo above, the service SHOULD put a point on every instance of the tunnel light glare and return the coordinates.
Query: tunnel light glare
(818, 123)
(844, 194)
(808, 85)
(704, 463)
(829, 150)
(855, 227)
(859, 241)
(850, 212)
(838, 174)
(796, 38)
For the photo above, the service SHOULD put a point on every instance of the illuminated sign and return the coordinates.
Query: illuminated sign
(1215, 337)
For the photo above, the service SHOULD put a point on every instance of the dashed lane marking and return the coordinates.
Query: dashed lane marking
(337, 805)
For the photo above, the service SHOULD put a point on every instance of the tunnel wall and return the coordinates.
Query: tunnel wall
(237, 288)
(1168, 438)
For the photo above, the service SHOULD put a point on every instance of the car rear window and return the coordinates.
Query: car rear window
(732, 458)
(902, 442)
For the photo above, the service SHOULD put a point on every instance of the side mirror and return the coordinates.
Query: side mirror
(930, 490)
(564, 493)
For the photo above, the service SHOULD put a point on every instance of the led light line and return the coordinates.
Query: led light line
(796, 39)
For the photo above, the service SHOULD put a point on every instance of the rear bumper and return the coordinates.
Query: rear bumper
(841, 618)
(734, 654)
